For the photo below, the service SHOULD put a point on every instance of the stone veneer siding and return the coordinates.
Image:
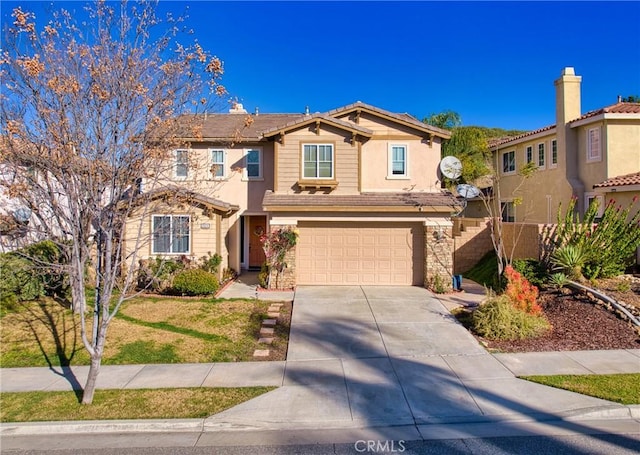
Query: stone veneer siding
(438, 255)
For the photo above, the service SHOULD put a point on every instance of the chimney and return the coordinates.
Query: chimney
(306, 110)
(567, 97)
(257, 111)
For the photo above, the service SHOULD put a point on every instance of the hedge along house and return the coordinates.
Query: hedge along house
(358, 183)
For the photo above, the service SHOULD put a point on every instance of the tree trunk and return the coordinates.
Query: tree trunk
(90, 385)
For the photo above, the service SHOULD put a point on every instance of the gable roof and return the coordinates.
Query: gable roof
(621, 180)
(404, 119)
(175, 193)
(506, 140)
(318, 118)
(257, 127)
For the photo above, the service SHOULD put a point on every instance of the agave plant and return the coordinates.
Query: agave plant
(570, 259)
(557, 280)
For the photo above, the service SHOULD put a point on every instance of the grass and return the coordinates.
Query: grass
(619, 388)
(146, 330)
(124, 404)
(485, 272)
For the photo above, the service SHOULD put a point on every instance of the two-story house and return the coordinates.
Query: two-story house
(360, 184)
(595, 155)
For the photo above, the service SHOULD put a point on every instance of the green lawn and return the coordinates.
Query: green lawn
(146, 330)
(124, 404)
(620, 388)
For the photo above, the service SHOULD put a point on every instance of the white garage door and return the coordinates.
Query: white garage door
(360, 253)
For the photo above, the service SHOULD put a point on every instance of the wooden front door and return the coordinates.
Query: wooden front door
(257, 227)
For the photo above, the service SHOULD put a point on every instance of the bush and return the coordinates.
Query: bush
(195, 282)
(498, 319)
(30, 273)
(533, 270)
(522, 294)
(210, 263)
(156, 275)
(263, 276)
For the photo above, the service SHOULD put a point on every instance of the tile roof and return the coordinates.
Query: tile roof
(245, 126)
(399, 200)
(321, 117)
(618, 108)
(403, 118)
(505, 140)
(621, 180)
(180, 193)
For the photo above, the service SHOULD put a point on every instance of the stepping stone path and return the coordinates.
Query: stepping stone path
(267, 329)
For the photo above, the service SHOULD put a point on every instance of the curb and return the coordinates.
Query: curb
(613, 413)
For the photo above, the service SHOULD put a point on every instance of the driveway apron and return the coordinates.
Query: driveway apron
(362, 356)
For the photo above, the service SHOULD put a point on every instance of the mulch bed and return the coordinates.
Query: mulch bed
(578, 324)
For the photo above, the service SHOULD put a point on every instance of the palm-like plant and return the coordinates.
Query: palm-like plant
(570, 259)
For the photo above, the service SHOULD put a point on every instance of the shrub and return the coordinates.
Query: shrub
(31, 272)
(436, 284)
(210, 263)
(195, 282)
(533, 270)
(570, 259)
(557, 280)
(498, 319)
(263, 276)
(157, 274)
(522, 294)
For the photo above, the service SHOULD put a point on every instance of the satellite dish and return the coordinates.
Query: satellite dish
(467, 191)
(22, 214)
(451, 167)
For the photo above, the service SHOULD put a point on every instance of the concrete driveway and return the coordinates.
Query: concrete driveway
(366, 356)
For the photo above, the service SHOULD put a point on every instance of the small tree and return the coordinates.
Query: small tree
(86, 113)
(276, 245)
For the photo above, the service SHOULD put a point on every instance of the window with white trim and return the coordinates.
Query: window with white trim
(554, 153)
(528, 154)
(590, 198)
(541, 154)
(171, 234)
(509, 162)
(594, 152)
(397, 161)
(317, 161)
(181, 168)
(217, 163)
(253, 164)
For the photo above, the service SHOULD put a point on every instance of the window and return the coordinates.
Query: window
(171, 234)
(509, 162)
(508, 210)
(528, 154)
(253, 160)
(590, 198)
(593, 145)
(217, 163)
(554, 153)
(317, 161)
(541, 154)
(182, 163)
(398, 161)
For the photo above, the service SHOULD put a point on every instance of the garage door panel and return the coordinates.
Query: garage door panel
(352, 253)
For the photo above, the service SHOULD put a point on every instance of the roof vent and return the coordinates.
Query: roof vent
(257, 112)
(306, 110)
(237, 108)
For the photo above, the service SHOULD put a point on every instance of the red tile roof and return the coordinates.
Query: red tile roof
(621, 180)
(504, 140)
(618, 108)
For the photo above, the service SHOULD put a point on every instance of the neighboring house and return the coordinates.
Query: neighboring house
(584, 156)
(359, 184)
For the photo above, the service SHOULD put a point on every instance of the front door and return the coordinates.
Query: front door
(257, 227)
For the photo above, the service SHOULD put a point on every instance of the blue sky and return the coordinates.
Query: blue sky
(492, 62)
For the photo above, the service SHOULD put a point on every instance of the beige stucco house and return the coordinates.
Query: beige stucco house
(359, 183)
(582, 156)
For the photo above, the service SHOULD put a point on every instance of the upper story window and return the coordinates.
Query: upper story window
(541, 154)
(217, 163)
(253, 164)
(317, 161)
(528, 154)
(554, 153)
(181, 168)
(594, 152)
(171, 234)
(398, 161)
(509, 162)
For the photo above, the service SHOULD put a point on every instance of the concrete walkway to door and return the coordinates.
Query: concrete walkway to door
(394, 357)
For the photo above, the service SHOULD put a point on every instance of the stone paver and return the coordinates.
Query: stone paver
(266, 331)
(261, 353)
(269, 322)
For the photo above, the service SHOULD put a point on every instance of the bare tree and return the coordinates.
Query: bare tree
(89, 108)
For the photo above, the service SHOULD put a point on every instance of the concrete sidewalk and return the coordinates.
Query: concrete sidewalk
(246, 287)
